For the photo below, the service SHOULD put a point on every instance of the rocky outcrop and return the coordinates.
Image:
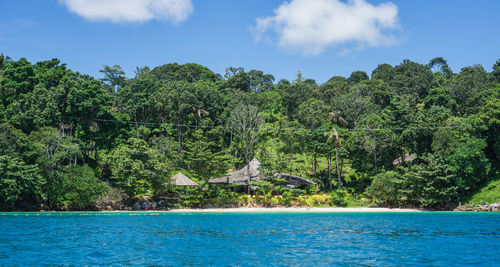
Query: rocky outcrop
(143, 203)
(485, 207)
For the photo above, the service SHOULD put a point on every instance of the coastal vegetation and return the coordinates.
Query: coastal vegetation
(410, 135)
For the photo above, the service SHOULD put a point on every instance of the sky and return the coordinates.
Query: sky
(319, 38)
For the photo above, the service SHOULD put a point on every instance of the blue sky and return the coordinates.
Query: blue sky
(223, 33)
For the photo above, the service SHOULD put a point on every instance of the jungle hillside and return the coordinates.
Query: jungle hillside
(410, 135)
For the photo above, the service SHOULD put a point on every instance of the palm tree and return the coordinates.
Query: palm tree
(334, 140)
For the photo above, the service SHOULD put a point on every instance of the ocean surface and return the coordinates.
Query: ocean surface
(263, 239)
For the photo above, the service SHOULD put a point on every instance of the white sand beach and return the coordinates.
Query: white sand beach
(305, 210)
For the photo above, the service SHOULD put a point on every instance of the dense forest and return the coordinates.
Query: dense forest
(409, 135)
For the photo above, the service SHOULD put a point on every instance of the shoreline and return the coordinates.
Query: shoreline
(254, 210)
(293, 210)
(240, 210)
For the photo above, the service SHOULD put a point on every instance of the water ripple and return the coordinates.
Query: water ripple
(251, 239)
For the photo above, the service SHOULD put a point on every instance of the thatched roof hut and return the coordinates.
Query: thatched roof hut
(240, 177)
(182, 180)
(294, 181)
(404, 160)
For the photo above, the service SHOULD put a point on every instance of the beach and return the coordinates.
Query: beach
(306, 210)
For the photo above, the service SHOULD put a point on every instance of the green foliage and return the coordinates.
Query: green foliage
(18, 77)
(114, 78)
(18, 181)
(357, 77)
(469, 164)
(431, 184)
(386, 187)
(63, 134)
(76, 186)
(338, 198)
(486, 193)
(203, 154)
(189, 72)
(318, 200)
(135, 167)
(263, 189)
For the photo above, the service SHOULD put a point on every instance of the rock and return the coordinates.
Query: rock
(146, 206)
(43, 207)
(137, 206)
(485, 207)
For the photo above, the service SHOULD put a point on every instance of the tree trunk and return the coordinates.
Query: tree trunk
(337, 165)
(330, 171)
(95, 152)
(247, 154)
(249, 178)
(179, 138)
(315, 164)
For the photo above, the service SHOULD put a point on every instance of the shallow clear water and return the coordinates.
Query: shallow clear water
(442, 239)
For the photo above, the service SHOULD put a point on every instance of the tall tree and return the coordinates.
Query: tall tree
(114, 78)
(245, 122)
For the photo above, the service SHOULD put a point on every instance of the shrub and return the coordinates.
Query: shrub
(338, 198)
(317, 200)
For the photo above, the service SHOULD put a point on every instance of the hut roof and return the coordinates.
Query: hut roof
(404, 160)
(295, 180)
(240, 176)
(182, 180)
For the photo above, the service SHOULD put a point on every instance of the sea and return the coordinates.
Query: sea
(249, 239)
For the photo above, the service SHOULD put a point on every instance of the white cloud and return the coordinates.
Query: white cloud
(131, 10)
(311, 26)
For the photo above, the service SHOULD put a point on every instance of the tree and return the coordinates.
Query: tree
(114, 78)
(136, 167)
(353, 106)
(136, 99)
(467, 86)
(18, 78)
(295, 94)
(469, 164)
(357, 77)
(245, 122)
(317, 143)
(334, 141)
(76, 187)
(334, 88)
(19, 182)
(440, 97)
(439, 65)
(431, 184)
(496, 71)
(412, 79)
(373, 146)
(490, 116)
(384, 72)
(378, 91)
(312, 113)
(53, 150)
(36, 109)
(189, 72)
(204, 155)
(387, 187)
(87, 108)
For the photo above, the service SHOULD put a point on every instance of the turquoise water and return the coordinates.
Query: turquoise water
(263, 239)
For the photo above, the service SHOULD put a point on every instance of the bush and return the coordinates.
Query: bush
(76, 186)
(317, 200)
(338, 198)
(386, 186)
(263, 192)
